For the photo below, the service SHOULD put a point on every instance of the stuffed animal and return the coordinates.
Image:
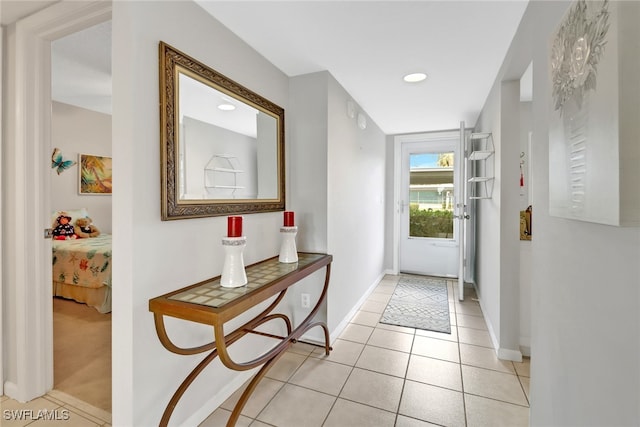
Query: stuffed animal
(64, 230)
(84, 228)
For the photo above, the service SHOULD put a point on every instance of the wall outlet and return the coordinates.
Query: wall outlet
(305, 300)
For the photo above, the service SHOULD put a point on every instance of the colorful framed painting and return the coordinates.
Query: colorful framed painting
(95, 174)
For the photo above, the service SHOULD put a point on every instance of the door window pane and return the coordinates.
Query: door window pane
(431, 195)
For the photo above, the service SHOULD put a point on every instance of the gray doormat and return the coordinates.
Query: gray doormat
(419, 302)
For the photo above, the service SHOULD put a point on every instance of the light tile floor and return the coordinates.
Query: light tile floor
(55, 409)
(382, 375)
(376, 375)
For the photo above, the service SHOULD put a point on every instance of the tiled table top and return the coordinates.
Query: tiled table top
(210, 293)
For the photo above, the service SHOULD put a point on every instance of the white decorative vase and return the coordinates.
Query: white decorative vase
(288, 251)
(233, 274)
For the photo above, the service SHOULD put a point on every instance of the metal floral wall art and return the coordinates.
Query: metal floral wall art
(576, 51)
(588, 125)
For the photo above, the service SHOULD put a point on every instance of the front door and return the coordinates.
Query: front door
(429, 232)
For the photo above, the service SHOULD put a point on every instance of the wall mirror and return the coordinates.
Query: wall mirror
(222, 145)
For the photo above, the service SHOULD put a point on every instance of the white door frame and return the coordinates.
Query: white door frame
(1, 222)
(27, 272)
(397, 181)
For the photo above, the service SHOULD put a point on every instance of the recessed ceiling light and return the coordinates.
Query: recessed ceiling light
(226, 107)
(415, 77)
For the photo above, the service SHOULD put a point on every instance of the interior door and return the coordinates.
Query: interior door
(430, 188)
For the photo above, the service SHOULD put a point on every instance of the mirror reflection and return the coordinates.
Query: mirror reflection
(222, 144)
(228, 149)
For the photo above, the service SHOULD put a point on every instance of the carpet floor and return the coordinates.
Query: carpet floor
(82, 352)
(419, 302)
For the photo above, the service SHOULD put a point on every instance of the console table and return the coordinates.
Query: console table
(211, 304)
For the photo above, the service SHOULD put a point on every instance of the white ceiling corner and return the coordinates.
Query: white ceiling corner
(369, 45)
(366, 45)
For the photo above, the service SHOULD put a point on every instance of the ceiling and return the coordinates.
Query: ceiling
(81, 68)
(13, 10)
(368, 46)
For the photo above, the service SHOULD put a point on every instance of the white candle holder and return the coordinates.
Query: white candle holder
(288, 251)
(233, 274)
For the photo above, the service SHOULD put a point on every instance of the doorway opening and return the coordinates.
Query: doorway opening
(81, 130)
(428, 193)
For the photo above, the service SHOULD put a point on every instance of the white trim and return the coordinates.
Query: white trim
(398, 142)
(508, 354)
(26, 189)
(501, 353)
(1, 222)
(492, 335)
(397, 191)
(460, 211)
(337, 331)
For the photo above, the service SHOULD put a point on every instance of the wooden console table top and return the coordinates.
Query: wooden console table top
(209, 303)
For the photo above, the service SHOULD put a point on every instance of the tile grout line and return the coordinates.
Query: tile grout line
(464, 401)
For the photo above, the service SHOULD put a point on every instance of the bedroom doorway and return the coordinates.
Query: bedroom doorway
(81, 132)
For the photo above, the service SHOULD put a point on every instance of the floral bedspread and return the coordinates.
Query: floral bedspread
(83, 262)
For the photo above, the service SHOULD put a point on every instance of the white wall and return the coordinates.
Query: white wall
(586, 303)
(488, 217)
(498, 224)
(337, 185)
(509, 167)
(356, 182)
(152, 257)
(307, 180)
(79, 131)
(390, 206)
(525, 245)
(267, 157)
(585, 338)
(308, 157)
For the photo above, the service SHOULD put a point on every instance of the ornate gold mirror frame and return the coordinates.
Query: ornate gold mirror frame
(202, 175)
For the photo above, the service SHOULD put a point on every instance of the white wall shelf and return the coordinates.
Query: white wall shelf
(221, 172)
(481, 148)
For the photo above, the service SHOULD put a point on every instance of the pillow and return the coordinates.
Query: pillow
(73, 213)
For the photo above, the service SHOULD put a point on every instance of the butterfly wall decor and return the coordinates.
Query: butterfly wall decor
(58, 162)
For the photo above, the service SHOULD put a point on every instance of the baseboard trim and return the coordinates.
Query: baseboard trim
(214, 403)
(502, 353)
(508, 354)
(11, 390)
(335, 333)
(492, 335)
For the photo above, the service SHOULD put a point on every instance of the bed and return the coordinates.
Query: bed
(82, 271)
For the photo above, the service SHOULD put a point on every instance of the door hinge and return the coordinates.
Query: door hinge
(48, 233)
